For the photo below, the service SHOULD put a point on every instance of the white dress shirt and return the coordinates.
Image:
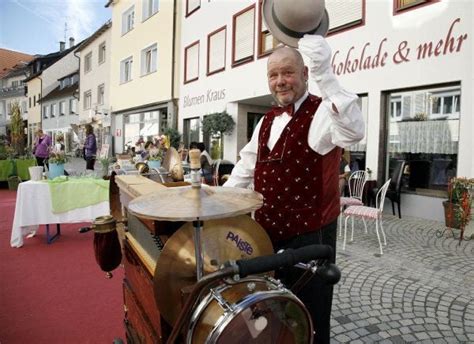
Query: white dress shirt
(328, 129)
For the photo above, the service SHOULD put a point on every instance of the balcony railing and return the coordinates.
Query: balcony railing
(13, 91)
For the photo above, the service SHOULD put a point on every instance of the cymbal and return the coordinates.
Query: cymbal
(188, 204)
(233, 238)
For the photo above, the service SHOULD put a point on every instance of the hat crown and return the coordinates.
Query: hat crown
(299, 15)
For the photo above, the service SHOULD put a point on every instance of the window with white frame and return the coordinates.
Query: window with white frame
(87, 100)
(149, 8)
(53, 110)
(126, 70)
(396, 108)
(192, 6)
(88, 62)
(62, 108)
(102, 51)
(445, 104)
(100, 94)
(344, 14)
(45, 111)
(216, 51)
(72, 106)
(243, 36)
(149, 59)
(191, 66)
(128, 18)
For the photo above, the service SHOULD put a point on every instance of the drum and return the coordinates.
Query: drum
(253, 310)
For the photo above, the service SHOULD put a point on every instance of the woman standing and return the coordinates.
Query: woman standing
(41, 148)
(90, 148)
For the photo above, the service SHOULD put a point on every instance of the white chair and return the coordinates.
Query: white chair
(370, 213)
(356, 183)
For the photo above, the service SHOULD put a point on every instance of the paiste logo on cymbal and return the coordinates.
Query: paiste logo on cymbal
(241, 244)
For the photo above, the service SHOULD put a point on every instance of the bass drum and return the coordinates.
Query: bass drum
(253, 310)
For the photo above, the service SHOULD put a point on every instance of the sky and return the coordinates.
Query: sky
(37, 26)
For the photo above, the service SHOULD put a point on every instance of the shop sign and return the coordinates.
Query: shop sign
(118, 132)
(208, 97)
(357, 59)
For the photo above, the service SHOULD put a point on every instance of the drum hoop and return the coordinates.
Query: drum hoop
(250, 299)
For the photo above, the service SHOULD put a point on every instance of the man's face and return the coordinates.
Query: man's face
(286, 77)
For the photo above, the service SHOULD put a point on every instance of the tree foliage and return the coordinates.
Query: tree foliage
(174, 136)
(17, 136)
(218, 123)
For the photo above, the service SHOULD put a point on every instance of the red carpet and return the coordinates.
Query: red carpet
(55, 293)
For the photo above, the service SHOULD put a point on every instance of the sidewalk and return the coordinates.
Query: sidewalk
(421, 290)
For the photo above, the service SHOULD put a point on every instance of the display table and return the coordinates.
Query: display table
(34, 207)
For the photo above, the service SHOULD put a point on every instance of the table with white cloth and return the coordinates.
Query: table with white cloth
(34, 207)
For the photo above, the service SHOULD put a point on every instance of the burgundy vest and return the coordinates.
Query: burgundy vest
(300, 187)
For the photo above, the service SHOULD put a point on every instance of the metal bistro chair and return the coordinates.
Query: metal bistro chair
(368, 212)
(356, 184)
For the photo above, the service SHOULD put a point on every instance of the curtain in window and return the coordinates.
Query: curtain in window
(436, 137)
(342, 13)
(217, 51)
(244, 35)
(192, 62)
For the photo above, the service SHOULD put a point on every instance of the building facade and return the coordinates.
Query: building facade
(94, 106)
(410, 62)
(143, 66)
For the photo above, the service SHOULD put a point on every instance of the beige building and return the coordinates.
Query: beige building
(94, 88)
(144, 64)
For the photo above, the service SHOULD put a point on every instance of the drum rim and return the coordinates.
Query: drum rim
(280, 292)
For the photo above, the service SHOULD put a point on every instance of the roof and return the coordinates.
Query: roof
(96, 34)
(59, 93)
(10, 58)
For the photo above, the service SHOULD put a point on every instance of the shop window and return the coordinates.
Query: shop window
(141, 125)
(344, 14)
(191, 129)
(192, 6)
(191, 62)
(252, 121)
(426, 136)
(266, 42)
(216, 42)
(243, 34)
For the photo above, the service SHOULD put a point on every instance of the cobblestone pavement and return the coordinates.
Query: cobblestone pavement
(420, 291)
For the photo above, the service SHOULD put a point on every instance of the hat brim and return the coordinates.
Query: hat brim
(290, 37)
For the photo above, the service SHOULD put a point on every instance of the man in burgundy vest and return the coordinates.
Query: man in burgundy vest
(293, 160)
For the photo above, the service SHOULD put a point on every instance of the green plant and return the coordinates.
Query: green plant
(57, 158)
(218, 124)
(174, 137)
(460, 194)
(17, 134)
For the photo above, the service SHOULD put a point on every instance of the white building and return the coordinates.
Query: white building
(94, 89)
(144, 65)
(410, 62)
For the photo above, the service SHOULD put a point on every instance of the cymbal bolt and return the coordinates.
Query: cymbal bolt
(251, 286)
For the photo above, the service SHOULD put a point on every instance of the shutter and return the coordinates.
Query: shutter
(406, 107)
(217, 51)
(420, 103)
(244, 35)
(343, 13)
(192, 62)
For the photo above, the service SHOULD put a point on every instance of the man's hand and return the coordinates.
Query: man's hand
(317, 49)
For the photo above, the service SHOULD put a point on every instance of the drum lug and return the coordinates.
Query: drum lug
(221, 301)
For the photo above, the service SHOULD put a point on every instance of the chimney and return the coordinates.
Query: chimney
(62, 45)
(71, 42)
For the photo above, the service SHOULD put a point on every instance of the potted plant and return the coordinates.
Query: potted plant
(217, 125)
(156, 151)
(56, 159)
(457, 209)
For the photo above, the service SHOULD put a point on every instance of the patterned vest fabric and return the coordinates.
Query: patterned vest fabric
(300, 187)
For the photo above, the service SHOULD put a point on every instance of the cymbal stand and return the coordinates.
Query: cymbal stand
(195, 164)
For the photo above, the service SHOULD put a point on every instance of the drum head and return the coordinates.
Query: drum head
(273, 320)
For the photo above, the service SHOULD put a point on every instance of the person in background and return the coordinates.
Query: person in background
(59, 146)
(41, 148)
(90, 147)
(344, 172)
(206, 163)
(293, 160)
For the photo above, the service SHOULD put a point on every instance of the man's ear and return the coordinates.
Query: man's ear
(305, 73)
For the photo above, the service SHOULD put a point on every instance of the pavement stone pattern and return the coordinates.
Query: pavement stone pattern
(421, 290)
